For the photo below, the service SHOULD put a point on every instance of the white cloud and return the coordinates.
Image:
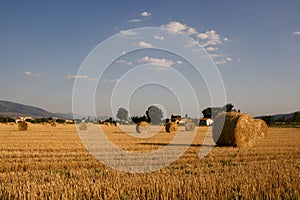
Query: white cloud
(223, 61)
(159, 37)
(179, 62)
(38, 75)
(228, 59)
(191, 31)
(180, 27)
(208, 39)
(145, 14)
(202, 36)
(80, 77)
(211, 38)
(134, 20)
(111, 80)
(128, 33)
(76, 77)
(124, 62)
(214, 55)
(144, 44)
(175, 26)
(212, 48)
(296, 33)
(220, 62)
(158, 61)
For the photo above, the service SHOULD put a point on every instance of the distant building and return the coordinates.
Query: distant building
(69, 121)
(22, 118)
(183, 121)
(205, 121)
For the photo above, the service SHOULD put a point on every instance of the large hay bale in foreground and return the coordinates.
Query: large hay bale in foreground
(261, 128)
(172, 127)
(239, 130)
(189, 126)
(142, 127)
(22, 126)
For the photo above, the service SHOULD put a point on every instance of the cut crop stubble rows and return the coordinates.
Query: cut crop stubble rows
(51, 163)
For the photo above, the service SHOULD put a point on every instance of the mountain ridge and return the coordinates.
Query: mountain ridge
(12, 109)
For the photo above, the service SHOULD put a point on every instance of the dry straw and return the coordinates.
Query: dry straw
(189, 126)
(142, 127)
(239, 130)
(171, 127)
(22, 126)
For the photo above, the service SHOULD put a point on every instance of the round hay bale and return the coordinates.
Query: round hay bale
(239, 130)
(189, 126)
(261, 128)
(142, 127)
(171, 127)
(53, 124)
(83, 126)
(22, 126)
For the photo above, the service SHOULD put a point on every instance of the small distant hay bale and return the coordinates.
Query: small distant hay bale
(239, 130)
(189, 126)
(83, 126)
(53, 124)
(22, 126)
(171, 127)
(142, 127)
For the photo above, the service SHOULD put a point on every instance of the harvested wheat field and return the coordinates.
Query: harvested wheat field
(47, 162)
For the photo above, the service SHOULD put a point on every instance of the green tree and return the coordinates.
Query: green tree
(154, 115)
(206, 112)
(269, 120)
(296, 117)
(138, 119)
(212, 112)
(122, 114)
(229, 107)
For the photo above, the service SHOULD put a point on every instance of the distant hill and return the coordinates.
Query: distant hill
(12, 109)
(279, 116)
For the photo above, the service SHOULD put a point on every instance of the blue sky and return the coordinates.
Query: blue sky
(254, 44)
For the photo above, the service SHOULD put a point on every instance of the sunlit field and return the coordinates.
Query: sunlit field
(51, 163)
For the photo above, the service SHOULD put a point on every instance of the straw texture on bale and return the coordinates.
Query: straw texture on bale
(239, 130)
(53, 124)
(261, 128)
(22, 126)
(189, 126)
(83, 126)
(142, 127)
(171, 127)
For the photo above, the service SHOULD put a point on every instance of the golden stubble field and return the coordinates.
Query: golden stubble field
(51, 163)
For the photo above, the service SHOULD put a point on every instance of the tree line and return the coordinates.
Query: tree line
(154, 115)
